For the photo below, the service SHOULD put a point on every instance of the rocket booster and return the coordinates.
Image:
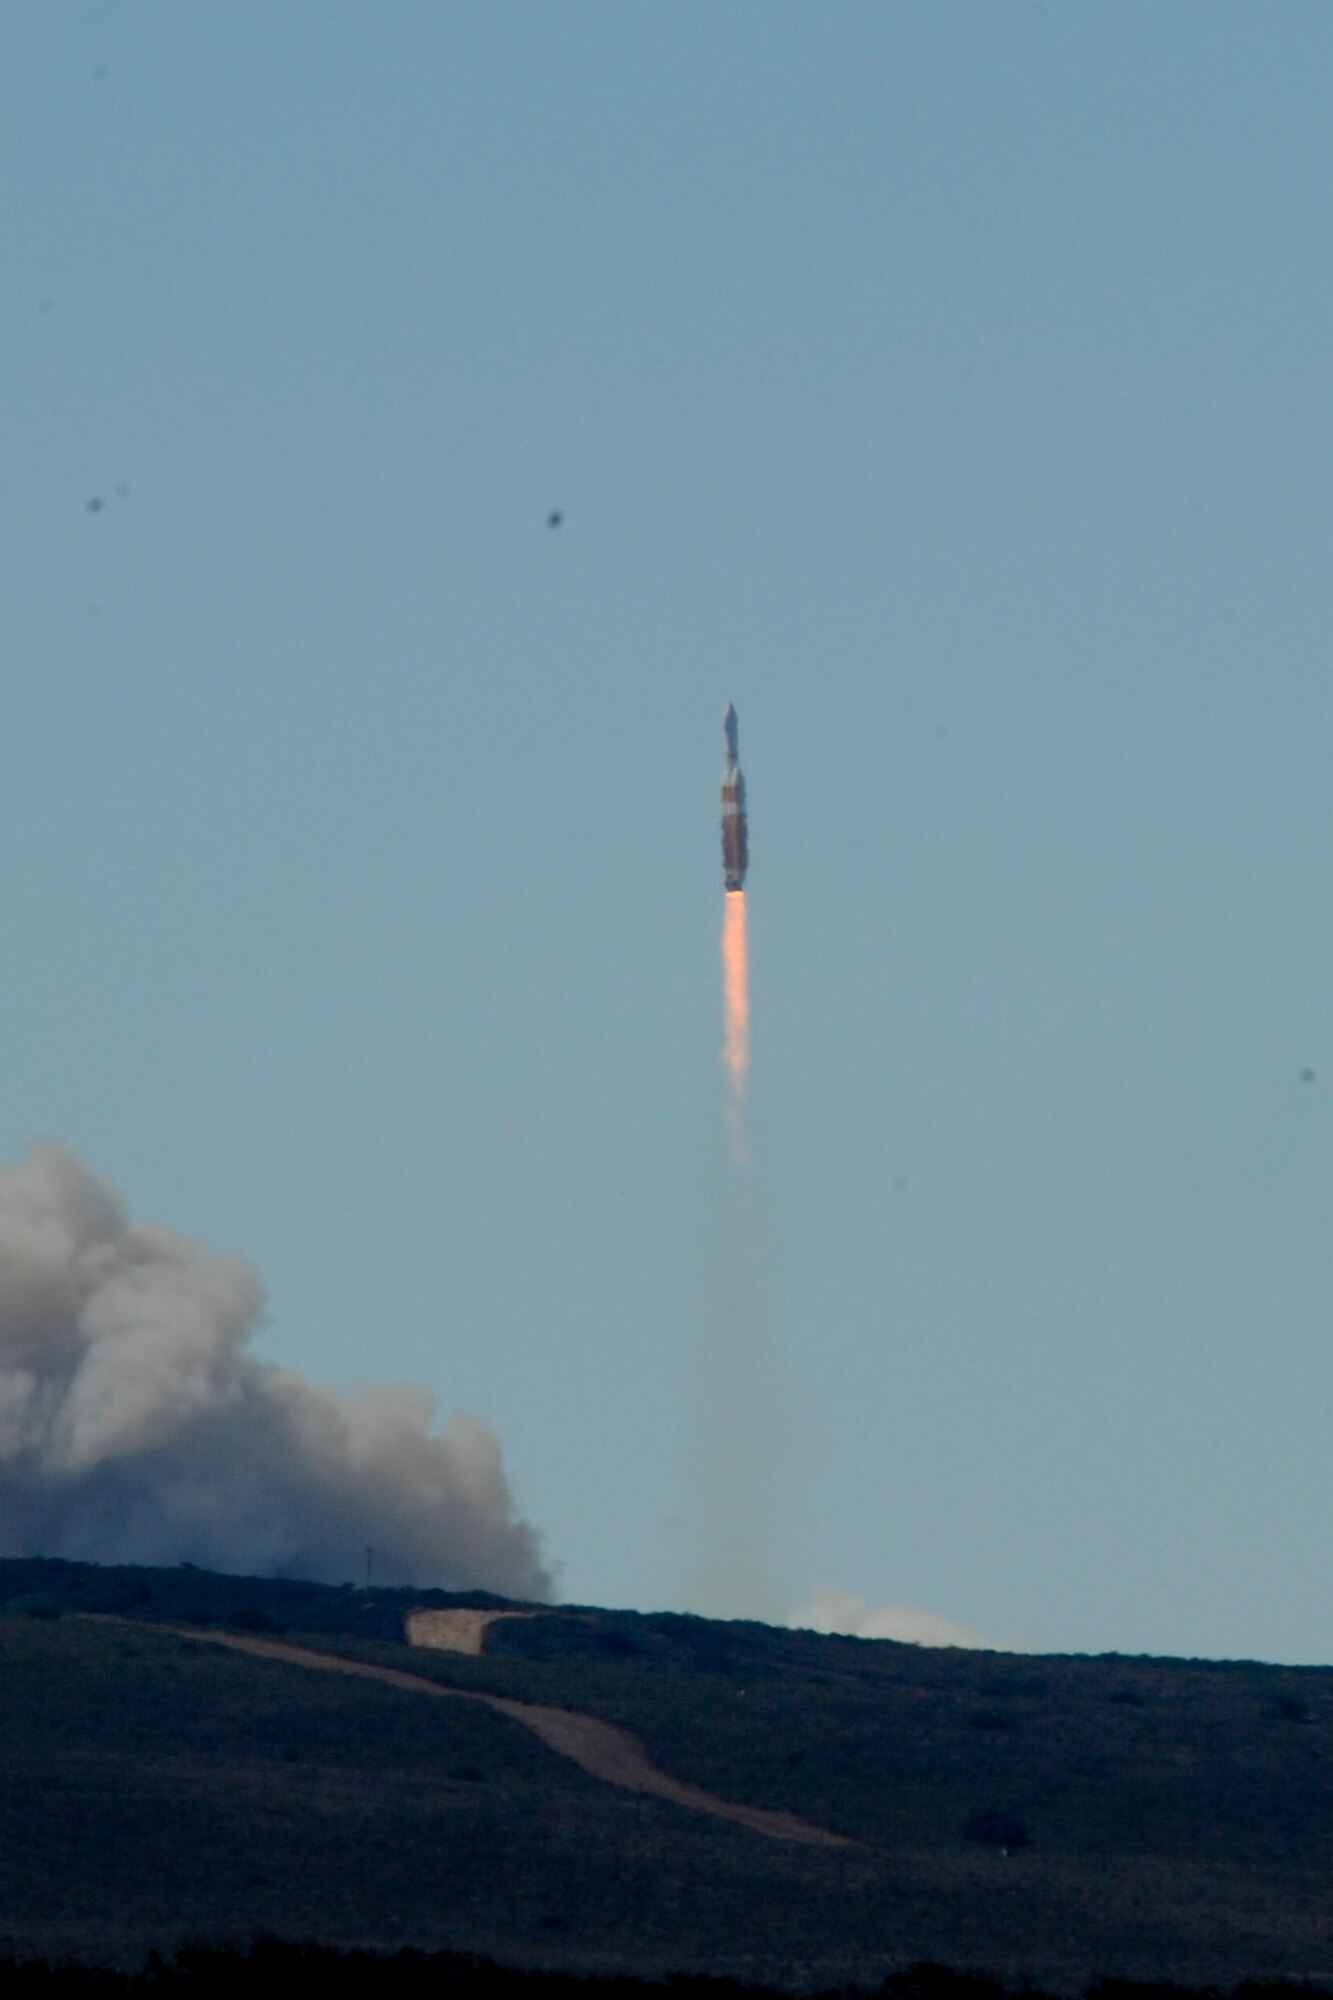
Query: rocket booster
(735, 839)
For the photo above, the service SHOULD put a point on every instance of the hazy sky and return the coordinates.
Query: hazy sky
(947, 385)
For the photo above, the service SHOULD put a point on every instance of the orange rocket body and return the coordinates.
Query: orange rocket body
(735, 834)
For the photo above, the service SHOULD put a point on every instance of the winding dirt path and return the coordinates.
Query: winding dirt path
(598, 1747)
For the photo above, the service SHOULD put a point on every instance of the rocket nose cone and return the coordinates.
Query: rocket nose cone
(730, 728)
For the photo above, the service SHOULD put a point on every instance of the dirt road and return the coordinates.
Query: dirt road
(598, 1747)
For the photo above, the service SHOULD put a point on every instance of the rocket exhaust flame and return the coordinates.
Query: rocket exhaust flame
(736, 994)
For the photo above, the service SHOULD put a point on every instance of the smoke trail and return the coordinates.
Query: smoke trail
(742, 1466)
(742, 1461)
(736, 999)
(136, 1427)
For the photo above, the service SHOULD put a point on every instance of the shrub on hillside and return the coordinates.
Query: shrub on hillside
(247, 1619)
(997, 1829)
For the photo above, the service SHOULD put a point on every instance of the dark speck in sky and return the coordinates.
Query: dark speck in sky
(96, 504)
(554, 518)
(1307, 1076)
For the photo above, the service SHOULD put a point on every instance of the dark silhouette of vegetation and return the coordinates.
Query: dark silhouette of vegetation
(189, 1595)
(997, 1829)
(248, 1618)
(36, 1604)
(217, 1972)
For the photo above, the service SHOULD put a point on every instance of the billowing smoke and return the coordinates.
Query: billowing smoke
(137, 1426)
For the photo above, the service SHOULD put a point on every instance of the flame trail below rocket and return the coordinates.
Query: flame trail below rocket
(736, 1000)
(742, 1466)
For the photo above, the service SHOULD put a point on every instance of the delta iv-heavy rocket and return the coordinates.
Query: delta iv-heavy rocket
(735, 840)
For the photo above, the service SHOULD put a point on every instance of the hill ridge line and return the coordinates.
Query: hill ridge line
(603, 1749)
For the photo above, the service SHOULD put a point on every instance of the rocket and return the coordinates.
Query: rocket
(735, 841)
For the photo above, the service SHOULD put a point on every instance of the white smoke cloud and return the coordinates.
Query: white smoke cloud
(834, 1610)
(136, 1425)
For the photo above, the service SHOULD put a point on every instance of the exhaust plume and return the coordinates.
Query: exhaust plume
(738, 1477)
(739, 1486)
(136, 1425)
(736, 1011)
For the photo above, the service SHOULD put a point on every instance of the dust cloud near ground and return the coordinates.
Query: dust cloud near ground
(833, 1610)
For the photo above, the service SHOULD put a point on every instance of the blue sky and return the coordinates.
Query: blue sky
(947, 386)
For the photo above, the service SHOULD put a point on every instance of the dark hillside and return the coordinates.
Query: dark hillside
(1092, 1756)
(1053, 1818)
(155, 1789)
(42, 1585)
